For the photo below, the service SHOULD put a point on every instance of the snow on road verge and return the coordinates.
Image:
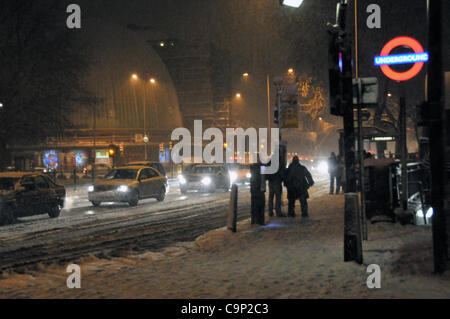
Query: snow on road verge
(287, 258)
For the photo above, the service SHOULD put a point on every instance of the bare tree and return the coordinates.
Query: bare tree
(41, 70)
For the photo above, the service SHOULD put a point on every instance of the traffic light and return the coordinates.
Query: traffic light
(161, 148)
(288, 116)
(113, 151)
(335, 75)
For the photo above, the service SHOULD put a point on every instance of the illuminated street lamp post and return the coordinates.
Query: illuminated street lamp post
(135, 78)
(146, 138)
(245, 76)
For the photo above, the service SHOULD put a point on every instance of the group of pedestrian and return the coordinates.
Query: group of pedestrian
(336, 171)
(297, 180)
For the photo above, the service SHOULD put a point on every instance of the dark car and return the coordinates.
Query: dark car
(26, 194)
(205, 178)
(156, 165)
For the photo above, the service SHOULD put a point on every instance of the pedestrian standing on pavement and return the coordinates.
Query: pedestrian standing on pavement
(298, 180)
(275, 192)
(339, 175)
(332, 170)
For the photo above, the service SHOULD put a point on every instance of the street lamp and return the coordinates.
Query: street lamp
(146, 139)
(291, 71)
(291, 3)
(238, 95)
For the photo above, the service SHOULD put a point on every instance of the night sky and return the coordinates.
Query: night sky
(264, 38)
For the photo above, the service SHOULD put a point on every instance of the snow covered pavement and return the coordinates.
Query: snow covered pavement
(287, 258)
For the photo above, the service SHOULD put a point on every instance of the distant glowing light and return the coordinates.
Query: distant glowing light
(429, 213)
(152, 80)
(292, 3)
(238, 95)
(233, 177)
(323, 168)
(134, 76)
(291, 71)
(207, 181)
(245, 75)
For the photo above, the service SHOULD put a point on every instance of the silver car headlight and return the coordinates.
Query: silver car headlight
(90, 189)
(181, 179)
(233, 177)
(249, 175)
(123, 189)
(206, 181)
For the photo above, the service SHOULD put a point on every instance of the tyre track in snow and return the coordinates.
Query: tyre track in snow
(115, 235)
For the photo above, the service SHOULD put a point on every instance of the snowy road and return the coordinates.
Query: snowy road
(115, 229)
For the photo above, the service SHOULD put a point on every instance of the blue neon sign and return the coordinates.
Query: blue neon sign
(401, 58)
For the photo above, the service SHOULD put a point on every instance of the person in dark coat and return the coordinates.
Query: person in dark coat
(298, 180)
(332, 170)
(275, 192)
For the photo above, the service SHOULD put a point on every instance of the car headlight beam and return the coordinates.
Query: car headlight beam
(90, 188)
(123, 189)
(181, 179)
(206, 181)
(233, 177)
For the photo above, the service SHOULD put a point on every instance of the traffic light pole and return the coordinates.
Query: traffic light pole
(361, 168)
(342, 87)
(435, 109)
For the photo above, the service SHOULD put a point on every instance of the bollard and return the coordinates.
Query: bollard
(352, 229)
(258, 195)
(232, 211)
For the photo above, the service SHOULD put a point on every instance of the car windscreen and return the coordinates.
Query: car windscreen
(7, 184)
(205, 170)
(122, 174)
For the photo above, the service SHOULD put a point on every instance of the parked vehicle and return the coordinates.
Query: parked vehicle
(205, 178)
(240, 173)
(44, 170)
(101, 169)
(156, 165)
(129, 184)
(26, 194)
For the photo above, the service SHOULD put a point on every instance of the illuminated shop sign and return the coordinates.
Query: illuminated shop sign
(383, 138)
(103, 154)
(79, 157)
(50, 159)
(418, 58)
(401, 59)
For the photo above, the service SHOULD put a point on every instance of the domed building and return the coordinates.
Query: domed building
(135, 109)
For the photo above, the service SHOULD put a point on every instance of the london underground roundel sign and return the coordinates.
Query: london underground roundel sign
(417, 58)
